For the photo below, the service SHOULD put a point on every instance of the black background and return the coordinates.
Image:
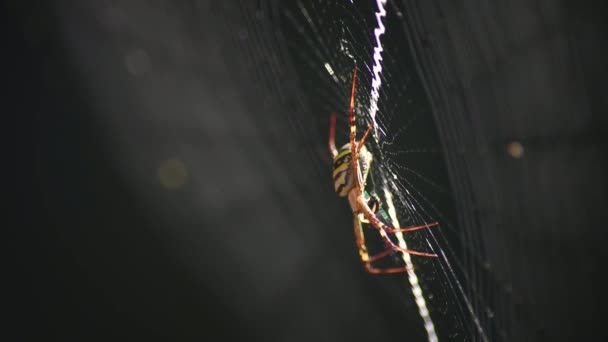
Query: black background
(104, 252)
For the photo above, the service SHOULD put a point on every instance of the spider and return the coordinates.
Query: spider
(351, 166)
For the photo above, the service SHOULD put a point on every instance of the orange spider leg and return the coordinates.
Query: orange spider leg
(383, 229)
(362, 141)
(410, 229)
(367, 259)
(353, 136)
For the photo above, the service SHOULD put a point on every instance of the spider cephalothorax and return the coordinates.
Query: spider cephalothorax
(351, 166)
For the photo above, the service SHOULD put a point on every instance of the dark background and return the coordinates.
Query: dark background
(256, 244)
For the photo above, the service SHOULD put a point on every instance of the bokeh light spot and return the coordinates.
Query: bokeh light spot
(515, 149)
(173, 174)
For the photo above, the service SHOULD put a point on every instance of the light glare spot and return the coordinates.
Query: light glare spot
(172, 174)
(515, 149)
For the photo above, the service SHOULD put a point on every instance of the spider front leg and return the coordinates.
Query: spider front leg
(355, 147)
(353, 135)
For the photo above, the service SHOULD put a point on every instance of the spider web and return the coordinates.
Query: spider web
(456, 294)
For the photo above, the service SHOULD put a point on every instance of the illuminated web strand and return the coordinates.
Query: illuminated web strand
(429, 326)
(377, 66)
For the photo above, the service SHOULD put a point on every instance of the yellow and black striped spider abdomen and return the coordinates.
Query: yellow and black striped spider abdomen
(343, 170)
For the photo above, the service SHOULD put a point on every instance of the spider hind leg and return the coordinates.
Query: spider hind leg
(368, 259)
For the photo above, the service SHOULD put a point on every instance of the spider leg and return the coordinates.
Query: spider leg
(410, 229)
(370, 269)
(384, 229)
(367, 259)
(362, 141)
(353, 136)
(332, 136)
(374, 203)
(355, 148)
